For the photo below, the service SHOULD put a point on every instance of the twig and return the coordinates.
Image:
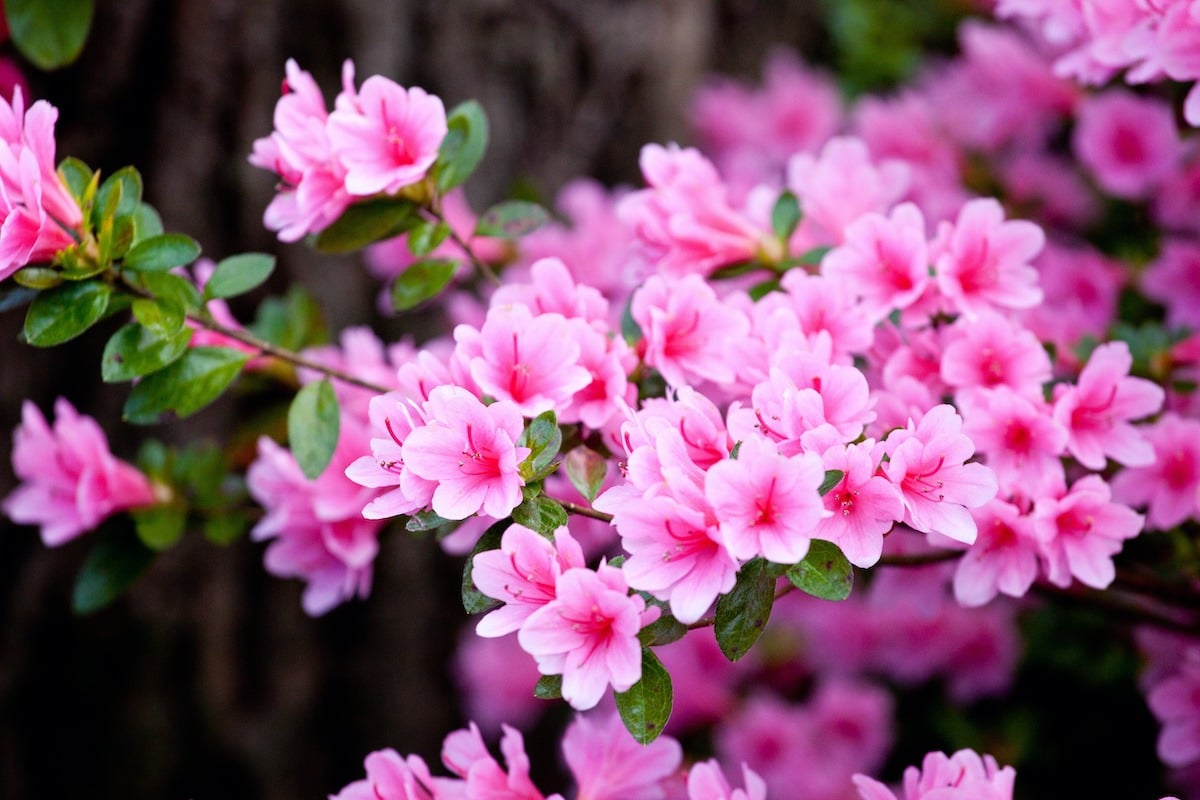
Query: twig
(480, 266)
(919, 559)
(585, 511)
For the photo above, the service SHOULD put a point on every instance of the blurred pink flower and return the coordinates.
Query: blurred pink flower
(962, 776)
(1171, 485)
(1129, 143)
(608, 764)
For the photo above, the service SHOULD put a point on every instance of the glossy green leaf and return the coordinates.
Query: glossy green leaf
(548, 687)
(422, 281)
(586, 469)
(543, 438)
(168, 286)
(463, 147)
(117, 559)
(541, 514)
(832, 478)
(120, 194)
(313, 425)
(665, 629)
(426, 521)
(292, 321)
(366, 223)
(39, 278)
(239, 274)
(135, 350)
(475, 601)
(785, 215)
(50, 33)
(511, 219)
(824, 572)
(76, 175)
(225, 528)
(743, 613)
(164, 317)
(146, 223)
(426, 236)
(163, 252)
(59, 315)
(646, 707)
(185, 387)
(160, 526)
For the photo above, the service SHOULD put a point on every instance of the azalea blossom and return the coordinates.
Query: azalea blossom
(706, 781)
(1004, 557)
(862, 506)
(1171, 485)
(962, 776)
(1081, 531)
(523, 574)
(608, 764)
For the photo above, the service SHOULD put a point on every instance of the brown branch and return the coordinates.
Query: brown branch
(480, 266)
(919, 559)
(1130, 608)
(585, 511)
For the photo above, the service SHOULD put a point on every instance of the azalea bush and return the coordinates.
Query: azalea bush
(791, 471)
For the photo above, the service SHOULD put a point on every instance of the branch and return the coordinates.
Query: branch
(480, 266)
(585, 511)
(1130, 608)
(919, 559)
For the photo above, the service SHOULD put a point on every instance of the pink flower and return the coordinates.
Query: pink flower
(392, 420)
(39, 214)
(389, 138)
(1170, 486)
(391, 777)
(1022, 442)
(1081, 288)
(989, 351)
(937, 487)
(767, 504)
(70, 481)
(1003, 558)
(470, 451)
(1081, 532)
(1097, 410)
(495, 679)
(465, 754)
(609, 765)
(687, 329)
(862, 506)
(530, 361)
(962, 776)
(588, 634)
(316, 528)
(1129, 143)
(522, 573)
(1175, 700)
(982, 260)
(884, 260)
(706, 781)
(1173, 279)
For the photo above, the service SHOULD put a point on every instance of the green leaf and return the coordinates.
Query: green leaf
(292, 321)
(366, 223)
(832, 478)
(76, 175)
(743, 613)
(813, 257)
(115, 562)
(464, 145)
(586, 469)
(239, 274)
(426, 236)
(225, 528)
(38, 277)
(760, 290)
(646, 707)
(426, 521)
(313, 425)
(163, 252)
(120, 193)
(134, 351)
(511, 219)
(167, 286)
(475, 601)
(541, 514)
(160, 526)
(163, 316)
(61, 314)
(664, 630)
(785, 215)
(50, 33)
(543, 438)
(146, 223)
(185, 387)
(548, 687)
(422, 281)
(824, 572)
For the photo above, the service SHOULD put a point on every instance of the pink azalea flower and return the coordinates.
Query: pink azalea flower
(1171, 484)
(989, 351)
(927, 466)
(767, 504)
(607, 360)
(39, 214)
(1081, 532)
(683, 222)
(553, 290)
(1173, 279)
(1096, 411)
(687, 329)
(1081, 287)
(470, 451)
(862, 506)
(982, 260)
(962, 776)
(389, 138)
(884, 260)
(704, 681)
(465, 754)
(392, 420)
(522, 573)
(70, 481)
(1175, 700)
(1128, 142)
(840, 185)
(825, 306)
(495, 679)
(391, 777)
(1003, 558)
(706, 781)
(588, 634)
(316, 528)
(609, 765)
(800, 107)
(1021, 441)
